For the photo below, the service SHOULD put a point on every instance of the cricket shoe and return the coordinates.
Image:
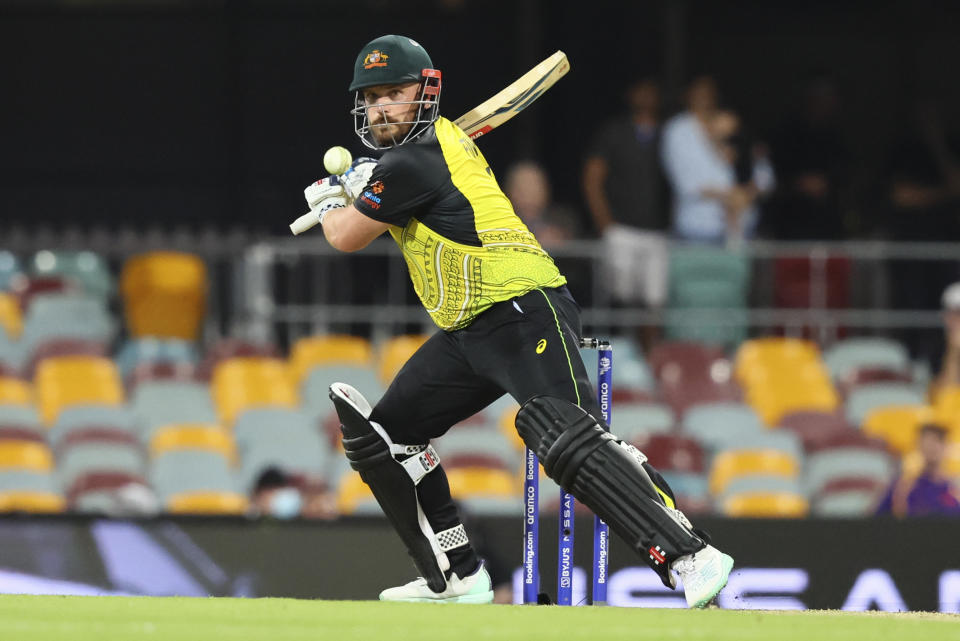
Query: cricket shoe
(475, 588)
(703, 574)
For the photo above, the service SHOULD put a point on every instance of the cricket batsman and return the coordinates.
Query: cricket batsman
(507, 324)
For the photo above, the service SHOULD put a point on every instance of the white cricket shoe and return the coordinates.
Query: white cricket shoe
(475, 588)
(703, 574)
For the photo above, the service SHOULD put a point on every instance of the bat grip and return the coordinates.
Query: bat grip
(305, 222)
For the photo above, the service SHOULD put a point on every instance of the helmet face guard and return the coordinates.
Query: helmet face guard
(427, 112)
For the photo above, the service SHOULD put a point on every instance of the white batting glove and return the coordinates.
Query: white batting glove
(357, 177)
(326, 194)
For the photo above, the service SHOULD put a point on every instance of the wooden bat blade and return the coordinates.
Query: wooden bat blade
(506, 104)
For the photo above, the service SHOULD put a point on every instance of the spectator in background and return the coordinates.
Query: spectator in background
(811, 161)
(699, 158)
(923, 192)
(274, 494)
(624, 189)
(528, 188)
(949, 374)
(926, 491)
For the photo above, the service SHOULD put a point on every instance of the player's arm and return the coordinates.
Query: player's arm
(348, 230)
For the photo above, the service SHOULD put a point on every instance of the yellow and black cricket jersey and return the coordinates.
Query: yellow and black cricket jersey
(465, 247)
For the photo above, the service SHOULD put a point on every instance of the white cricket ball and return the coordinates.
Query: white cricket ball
(337, 160)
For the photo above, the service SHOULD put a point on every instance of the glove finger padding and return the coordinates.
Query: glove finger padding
(358, 176)
(330, 187)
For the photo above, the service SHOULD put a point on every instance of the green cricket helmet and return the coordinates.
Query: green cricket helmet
(391, 60)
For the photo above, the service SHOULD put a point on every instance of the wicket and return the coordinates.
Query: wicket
(531, 521)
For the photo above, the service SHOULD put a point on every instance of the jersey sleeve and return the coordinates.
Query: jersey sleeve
(399, 187)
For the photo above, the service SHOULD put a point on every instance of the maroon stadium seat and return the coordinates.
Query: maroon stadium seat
(871, 375)
(673, 361)
(162, 372)
(815, 427)
(682, 396)
(93, 433)
(850, 438)
(22, 433)
(26, 288)
(673, 453)
(97, 481)
(233, 348)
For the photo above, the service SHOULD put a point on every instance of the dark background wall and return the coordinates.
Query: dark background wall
(219, 112)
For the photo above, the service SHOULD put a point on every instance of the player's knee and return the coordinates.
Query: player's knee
(562, 434)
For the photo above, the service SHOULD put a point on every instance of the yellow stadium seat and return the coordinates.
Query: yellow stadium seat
(207, 503)
(352, 492)
(898, 424)
(239, 384)
(309, 352)
(13, 390)
(946, 405)
(766, 504)
(10, 318)
(164, 295)
(482, 481)
(193, 436)
(395, 352)
(507, 424)
(772, 401)
(75, 380)
(31, 501)
(773, 353)
(732, 464)
(25, 455)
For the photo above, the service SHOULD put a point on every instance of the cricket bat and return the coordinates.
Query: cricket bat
(494, 111)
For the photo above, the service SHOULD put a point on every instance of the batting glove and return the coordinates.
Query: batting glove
(357, 177)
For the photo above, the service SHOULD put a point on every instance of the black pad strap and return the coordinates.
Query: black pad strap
(391, 485)
(592, 465)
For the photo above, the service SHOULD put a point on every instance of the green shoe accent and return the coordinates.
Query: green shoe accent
(726, 565)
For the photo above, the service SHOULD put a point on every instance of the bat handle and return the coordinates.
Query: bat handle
(305, 222)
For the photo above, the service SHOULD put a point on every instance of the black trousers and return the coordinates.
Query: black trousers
(523, 347)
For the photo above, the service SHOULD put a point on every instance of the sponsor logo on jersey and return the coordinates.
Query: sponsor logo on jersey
(375, 58)
(541, 346)
(377, 187)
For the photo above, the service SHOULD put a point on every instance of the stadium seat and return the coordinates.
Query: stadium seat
(395, 352)
(102, 493)
(832, 462)
(149, 350)
(88, 270)
(14, 391)
(673, 453)
(848, 498)
(220, 503)
(164, 402)
(109, 418)
(164, 295)
(633, 372)
(229, 348)
(335, 349)
(897, 425)
(181, 372)
(18, 414)
(675, 361)
(708, 278)
(278, 437)
(777, 397)
(757, 356)
(813, 427)
(784, 505)
(66, 316)
(683, 396)
(27, 288)
(32, 433)
(97, 450)
(11, 353)
(25, 455)
(32, 502)
(11, 320)
(634, 421)
(62, 347)
(75, 380)
(867, 398)
(354, 496)
(191, 471)
(9, 268)
(731, 464)
(946, 406)
(481, 440)
(239, 384)
(844, 358)
(193, 436)
(765, 483)
(795, 280)
(721, 425)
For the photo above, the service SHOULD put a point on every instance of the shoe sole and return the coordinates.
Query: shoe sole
(726, 563)
(477, 599)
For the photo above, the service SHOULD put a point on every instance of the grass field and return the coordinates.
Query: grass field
(30, 618)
